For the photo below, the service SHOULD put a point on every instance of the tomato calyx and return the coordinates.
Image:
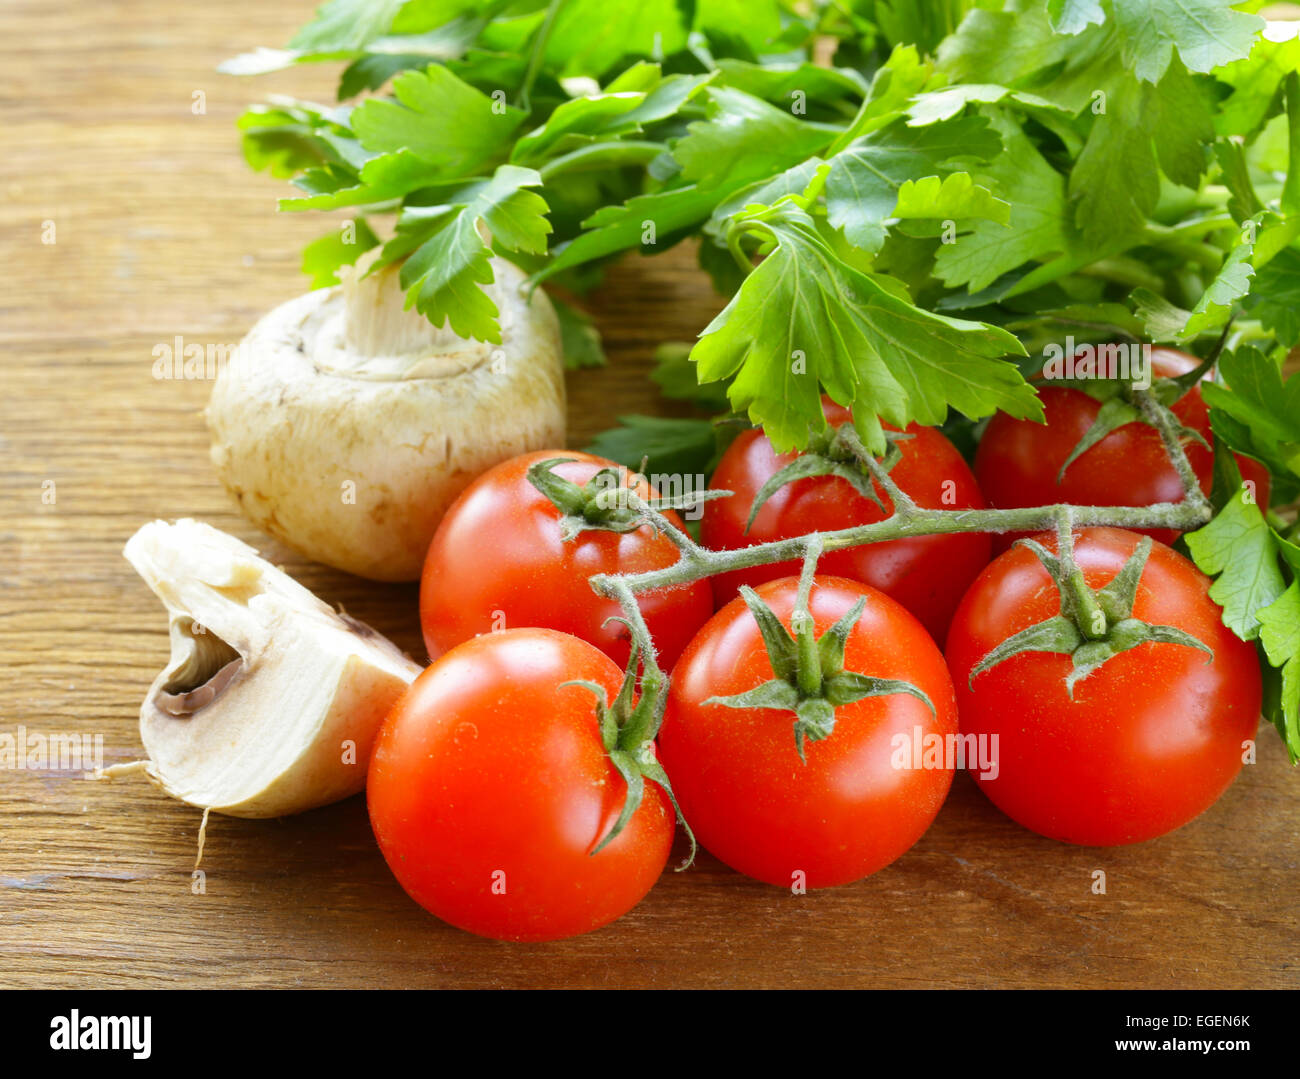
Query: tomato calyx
(600, 504)
(811, 680)
(836, 451)
(1119, 407)
(1094, 625)
(605, 502)
(628, 726)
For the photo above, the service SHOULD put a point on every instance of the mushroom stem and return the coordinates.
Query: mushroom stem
(352, 422)
(378, 322)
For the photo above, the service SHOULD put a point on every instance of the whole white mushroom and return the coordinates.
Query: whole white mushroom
(348, 425)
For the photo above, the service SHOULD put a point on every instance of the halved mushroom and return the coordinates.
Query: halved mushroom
(348, 423)
(271, 700)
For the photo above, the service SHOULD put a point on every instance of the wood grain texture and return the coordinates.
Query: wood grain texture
(161, 231)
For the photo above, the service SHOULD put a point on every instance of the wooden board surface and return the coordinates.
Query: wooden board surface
(161, 231)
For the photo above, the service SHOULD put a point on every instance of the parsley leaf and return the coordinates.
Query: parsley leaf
(674, 374)
(382, 179)
(646, 222)
(1160, 319)
(1275, 297)
(438, 119)
(1040, 217)
(1116, 179)
(590, 36)
(1266, 408)
(753, 22)
(342, 246)
(341, 25)
(863, 187)
(1206, 33)
(291, 136)
(447, 258)
(791, 85)
(579, 337)
(1230, 284)
(1257, 601)
(1262, 238)
(741, 139)
(340, 29)
(610, 115)
(1074, 16)
(1255, 80)
(804, 319)
(903, 76)
(956, 196)
(1238, 546)
(1280, 636)
(677, 447)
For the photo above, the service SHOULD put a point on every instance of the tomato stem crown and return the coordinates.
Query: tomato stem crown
(1120, 406)
(836, 451)
(605, 502)
(810, 678)
(1094, 625)
(628, 726)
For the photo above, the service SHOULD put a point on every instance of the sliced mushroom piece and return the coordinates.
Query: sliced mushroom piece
(271, 700)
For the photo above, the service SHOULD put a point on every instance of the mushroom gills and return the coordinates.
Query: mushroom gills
(202, 676)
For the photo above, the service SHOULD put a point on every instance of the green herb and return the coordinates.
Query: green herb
(1099, 167)
(665, 446)
(579, 337)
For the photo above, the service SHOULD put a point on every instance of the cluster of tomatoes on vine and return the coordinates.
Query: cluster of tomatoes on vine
(528, 786)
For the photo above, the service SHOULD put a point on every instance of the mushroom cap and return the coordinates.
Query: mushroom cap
(347, 425)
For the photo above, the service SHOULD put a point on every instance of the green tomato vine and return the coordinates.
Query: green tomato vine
(808, 674)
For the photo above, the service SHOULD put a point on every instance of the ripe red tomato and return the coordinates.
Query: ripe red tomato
(855, 805)
(927, 574)
(497, 561)
(490, 786)
(1148, 741)
(1018, 460)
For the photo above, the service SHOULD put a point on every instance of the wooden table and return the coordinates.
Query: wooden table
(160, 231)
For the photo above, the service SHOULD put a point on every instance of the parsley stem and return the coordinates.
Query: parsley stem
(538, 54)
(1125, 271)
(1181, 240)
(601, 156)
(735, 233)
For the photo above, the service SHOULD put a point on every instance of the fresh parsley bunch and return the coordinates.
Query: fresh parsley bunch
(901, 201)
